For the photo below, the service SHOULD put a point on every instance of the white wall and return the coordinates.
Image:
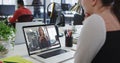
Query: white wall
(58, 1)
(0, 1)
(71, 1)
(8, 2)
(47, 3)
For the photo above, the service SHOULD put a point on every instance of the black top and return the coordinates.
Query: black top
(110, 52)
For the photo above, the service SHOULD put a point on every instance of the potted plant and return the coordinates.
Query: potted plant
(6, 34)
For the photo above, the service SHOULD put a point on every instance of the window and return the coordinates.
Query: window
(0, 2)
(58, 1)
(7, 2)
(71, 1)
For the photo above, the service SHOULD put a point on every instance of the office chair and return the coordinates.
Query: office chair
(25, 18)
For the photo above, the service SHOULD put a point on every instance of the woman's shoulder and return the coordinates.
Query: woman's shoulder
(94, 21)
(95, 18)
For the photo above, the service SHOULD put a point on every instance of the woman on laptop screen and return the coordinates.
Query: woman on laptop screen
(44, 41)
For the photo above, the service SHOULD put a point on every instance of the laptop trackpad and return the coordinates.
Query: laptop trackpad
(53, 53)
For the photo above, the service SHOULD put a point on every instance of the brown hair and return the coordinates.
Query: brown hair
(115, 6)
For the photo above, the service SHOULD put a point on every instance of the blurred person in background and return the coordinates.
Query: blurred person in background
(19, 12)
(36, 4)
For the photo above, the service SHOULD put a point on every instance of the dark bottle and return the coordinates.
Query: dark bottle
(68, 41)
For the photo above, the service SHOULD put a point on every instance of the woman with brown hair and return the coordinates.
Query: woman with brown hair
(99, 40)
(44, 41)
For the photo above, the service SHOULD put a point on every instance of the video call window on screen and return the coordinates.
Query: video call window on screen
(42, 37)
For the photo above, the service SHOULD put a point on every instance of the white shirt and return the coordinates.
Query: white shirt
(92, 38)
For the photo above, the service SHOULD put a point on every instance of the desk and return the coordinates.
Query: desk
(21, 50)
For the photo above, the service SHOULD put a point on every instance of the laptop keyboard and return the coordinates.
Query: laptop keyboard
(53, 53)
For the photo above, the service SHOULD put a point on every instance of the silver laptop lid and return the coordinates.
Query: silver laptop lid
(40, 38)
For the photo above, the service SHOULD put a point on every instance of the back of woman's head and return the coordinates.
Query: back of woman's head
(115, 6)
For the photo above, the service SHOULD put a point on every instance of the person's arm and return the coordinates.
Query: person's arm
(14, 18)
(92, 38)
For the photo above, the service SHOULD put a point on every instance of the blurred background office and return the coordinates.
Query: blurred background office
(70, 13)
(68, 8)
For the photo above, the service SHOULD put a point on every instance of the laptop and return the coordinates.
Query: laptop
(43, 44)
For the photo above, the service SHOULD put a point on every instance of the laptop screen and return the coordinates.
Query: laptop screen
(40, 38)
